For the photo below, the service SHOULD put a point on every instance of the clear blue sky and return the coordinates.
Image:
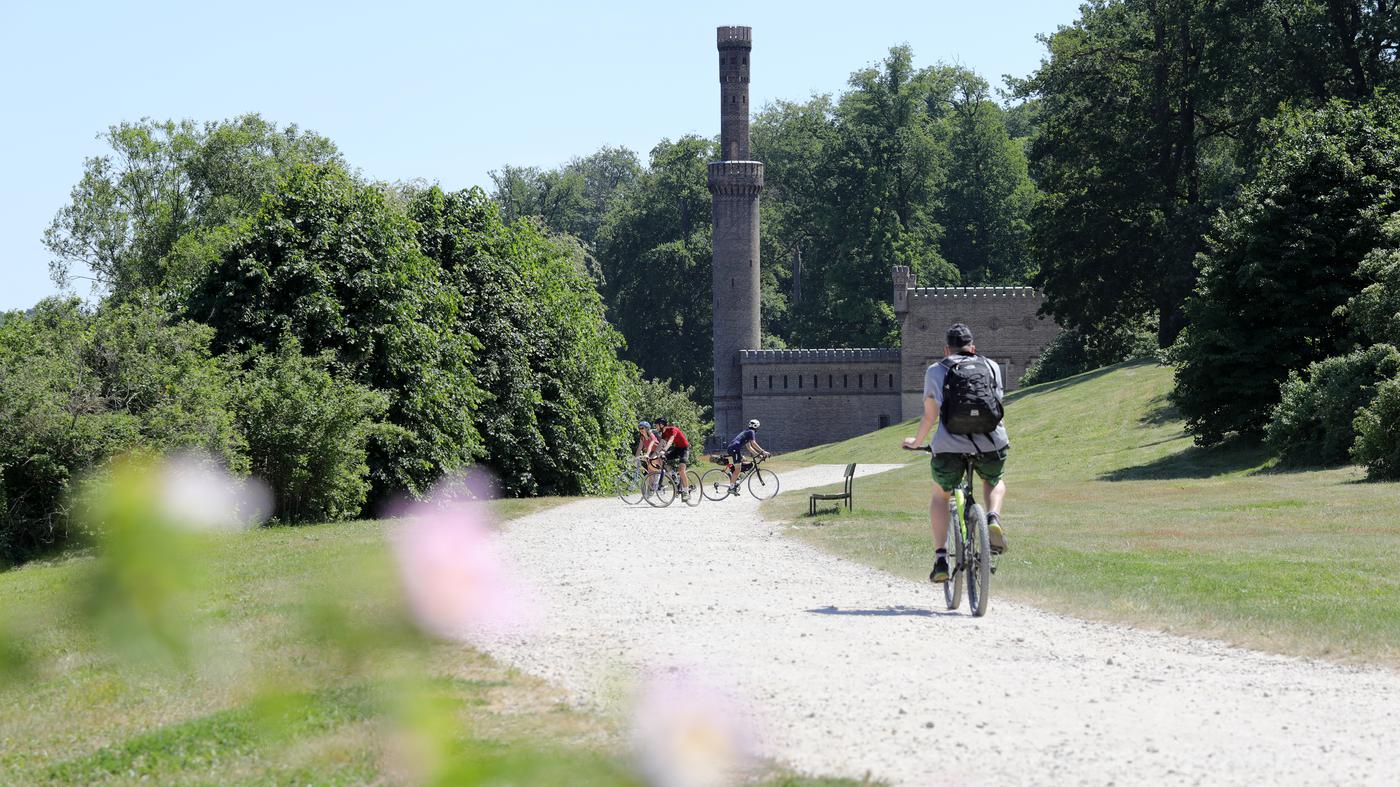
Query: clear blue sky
(445, 91)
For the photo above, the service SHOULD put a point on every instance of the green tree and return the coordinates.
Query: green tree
(1282, 260)
(570, 199)
(164, 180)
(557, 405)
(882, 173)
(654, 251)
(77, 388)
(329, 262)
(984, 206)
(308, 433)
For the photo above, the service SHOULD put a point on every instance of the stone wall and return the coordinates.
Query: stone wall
(810, 397)
(1004, 323)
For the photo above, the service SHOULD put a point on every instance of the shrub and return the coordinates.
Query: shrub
(1073, 352)
(308, 434)
(1378, 433)
(1312, 424)
(658, 399)
(76, 388)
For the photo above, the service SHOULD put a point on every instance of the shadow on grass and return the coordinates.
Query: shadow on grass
(1160, 413)
(1197, 462)
(883, 612)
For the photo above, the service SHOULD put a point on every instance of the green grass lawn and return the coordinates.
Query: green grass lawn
(1112, 513)
(81, 717)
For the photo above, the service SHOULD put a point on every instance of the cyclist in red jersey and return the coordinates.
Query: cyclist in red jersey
(676, 448)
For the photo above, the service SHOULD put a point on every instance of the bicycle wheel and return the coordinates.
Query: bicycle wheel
(953, 588)
(628, 487)
(658, 489)
(715, 484)
(763, 484)
(979, 574)
(695, 495)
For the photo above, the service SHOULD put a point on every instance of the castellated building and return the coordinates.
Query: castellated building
(809, 397)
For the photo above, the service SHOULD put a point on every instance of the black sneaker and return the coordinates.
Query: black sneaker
(939, 573)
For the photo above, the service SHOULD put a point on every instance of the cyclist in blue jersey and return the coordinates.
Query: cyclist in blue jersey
(747, 439)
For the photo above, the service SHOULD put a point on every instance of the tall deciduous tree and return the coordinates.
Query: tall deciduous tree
(654, 250)
(557, 406)
(328, 261)
(162, 181)
(1282, 260)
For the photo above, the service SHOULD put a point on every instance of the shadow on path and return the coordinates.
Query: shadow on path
(884, 612)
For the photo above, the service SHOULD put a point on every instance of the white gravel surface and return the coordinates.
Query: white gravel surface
(849, 671)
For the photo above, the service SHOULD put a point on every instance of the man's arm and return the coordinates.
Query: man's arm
(926, 423)
(754, 446)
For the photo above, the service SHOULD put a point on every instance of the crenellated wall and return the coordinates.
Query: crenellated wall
(809, 397)
(1004, 322)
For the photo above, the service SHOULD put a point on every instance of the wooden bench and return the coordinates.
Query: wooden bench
(850, 477)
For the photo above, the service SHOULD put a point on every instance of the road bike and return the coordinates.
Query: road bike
(628, 484)
(969, 545)
(660, 487)
(762, 482)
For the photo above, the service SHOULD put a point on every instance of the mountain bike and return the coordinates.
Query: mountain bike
(660, 487)
(762, 483)
(969, 545)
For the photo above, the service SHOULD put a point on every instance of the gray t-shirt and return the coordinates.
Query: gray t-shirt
(945, 443)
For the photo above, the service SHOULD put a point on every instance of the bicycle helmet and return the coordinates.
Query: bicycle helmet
(753, 424)
(644, 424)
(662, 422)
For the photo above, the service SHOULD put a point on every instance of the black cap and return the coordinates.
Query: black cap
(959, 336)
(662, 422)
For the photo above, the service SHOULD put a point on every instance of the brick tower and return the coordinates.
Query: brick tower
(735, 183)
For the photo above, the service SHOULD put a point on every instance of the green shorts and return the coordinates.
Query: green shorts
(948, 468)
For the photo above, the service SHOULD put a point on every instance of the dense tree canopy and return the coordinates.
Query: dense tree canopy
(328, 261)
(1282, 260)
(1148, 119)
(163, 181)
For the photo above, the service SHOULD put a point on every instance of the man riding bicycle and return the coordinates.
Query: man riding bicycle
(745, 440)
(676, 448)
(961, 387)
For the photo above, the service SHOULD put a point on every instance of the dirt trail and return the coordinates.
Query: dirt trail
(848, 670)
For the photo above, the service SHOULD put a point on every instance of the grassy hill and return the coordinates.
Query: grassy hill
(1113, 513)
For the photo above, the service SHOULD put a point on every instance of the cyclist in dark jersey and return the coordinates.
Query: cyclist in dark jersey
(676, 448)
(745, 439)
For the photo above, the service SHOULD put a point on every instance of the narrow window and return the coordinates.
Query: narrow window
(884, 421)
(770, 381)
(891, 385)
(814, 381)
(799, 381)
(860, 381)
(875, 381)
(845, 381)
(784, 382)
(828, 382)
(755, 382)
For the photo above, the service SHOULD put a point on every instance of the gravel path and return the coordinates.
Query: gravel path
(850, 671)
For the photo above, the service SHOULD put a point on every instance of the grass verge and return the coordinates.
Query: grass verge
(1112, 513)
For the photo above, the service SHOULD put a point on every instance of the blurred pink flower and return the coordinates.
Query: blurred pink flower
(198, 493)
(455, 579)
(688, 734)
